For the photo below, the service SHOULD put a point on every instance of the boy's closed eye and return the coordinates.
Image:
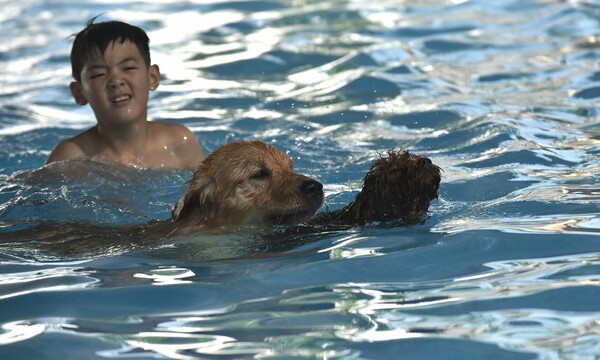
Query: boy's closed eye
(129, 64)
(96, 75)
(96, 71)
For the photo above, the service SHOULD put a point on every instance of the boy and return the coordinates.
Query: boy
(112, 71)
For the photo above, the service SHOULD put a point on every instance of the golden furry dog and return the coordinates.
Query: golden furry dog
(398, 187)
(253, 183)
(246, 183)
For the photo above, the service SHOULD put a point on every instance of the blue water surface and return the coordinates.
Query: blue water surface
(503, 95)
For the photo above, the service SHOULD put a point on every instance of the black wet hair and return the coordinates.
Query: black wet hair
(96, 37)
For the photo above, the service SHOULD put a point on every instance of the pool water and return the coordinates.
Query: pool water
(502, 95)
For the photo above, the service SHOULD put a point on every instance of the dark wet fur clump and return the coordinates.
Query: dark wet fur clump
(397, 187)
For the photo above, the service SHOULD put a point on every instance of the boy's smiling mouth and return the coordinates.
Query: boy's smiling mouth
(121, 99)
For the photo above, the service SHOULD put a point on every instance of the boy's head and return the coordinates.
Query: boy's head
(96, 37)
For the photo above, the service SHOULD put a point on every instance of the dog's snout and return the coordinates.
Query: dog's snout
(310, 187)
(424, 162)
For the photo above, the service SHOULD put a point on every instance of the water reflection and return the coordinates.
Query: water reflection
(44, 277)
(178, 345)
(167, 275)
(19, 331)
(580, 224)
(401, 311)
(317, 321)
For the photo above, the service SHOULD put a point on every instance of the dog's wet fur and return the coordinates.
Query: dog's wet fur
(253, 183)
(397, 187)
(247, 188)
(246, 183)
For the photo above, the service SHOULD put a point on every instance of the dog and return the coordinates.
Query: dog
(253, 183)
(398, 187)
(246, 183)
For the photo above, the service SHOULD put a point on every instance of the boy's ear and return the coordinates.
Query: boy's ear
(154, 76)
(77, 95)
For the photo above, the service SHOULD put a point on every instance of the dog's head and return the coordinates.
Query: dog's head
(397, 187)
(247, 182)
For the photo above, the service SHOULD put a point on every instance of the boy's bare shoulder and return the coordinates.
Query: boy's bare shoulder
(172, 134)
(72, 148)
(182, 142)
(65, 150)
(171, 130)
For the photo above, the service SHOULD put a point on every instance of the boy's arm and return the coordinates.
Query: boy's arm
(65, 150)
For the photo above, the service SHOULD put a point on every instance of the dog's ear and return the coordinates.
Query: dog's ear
(199, 204)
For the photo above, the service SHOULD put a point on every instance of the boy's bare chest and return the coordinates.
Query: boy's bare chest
(153, 155)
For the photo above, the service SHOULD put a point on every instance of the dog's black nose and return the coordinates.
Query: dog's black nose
(310, 187)
(423, 162)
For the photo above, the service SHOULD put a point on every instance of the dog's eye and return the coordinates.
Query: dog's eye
(260, 174)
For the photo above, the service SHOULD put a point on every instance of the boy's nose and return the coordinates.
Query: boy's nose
(115, 82)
